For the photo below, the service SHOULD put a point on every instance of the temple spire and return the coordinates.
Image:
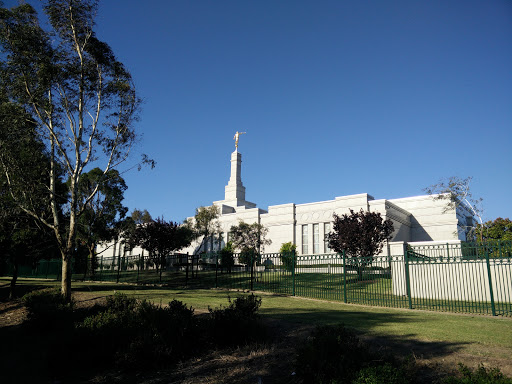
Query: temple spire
(235, 189)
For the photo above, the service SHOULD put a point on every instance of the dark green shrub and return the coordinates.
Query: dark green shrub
(227, 259)
(248, 256)
(129, 332)
(287, 255)
(120, 302)
(332, 354)
(479, 376)
(382, 374)
(48, 308)
(236, 324)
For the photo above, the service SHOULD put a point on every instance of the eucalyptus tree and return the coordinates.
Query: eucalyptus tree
(102, 215)
(248, 239)
(206, 223)
(24, 166)
(80, 97)
(457, 193)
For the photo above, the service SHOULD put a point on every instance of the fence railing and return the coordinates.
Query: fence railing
(463, 277)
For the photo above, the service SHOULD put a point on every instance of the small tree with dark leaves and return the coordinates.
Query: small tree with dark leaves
(361, 235)
(161, 238)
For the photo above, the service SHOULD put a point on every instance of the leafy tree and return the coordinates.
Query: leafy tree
(249, 238)
(24, 165)
(79, 96)
(457, 193)
(141, 217)
(102, 216)
(499, 229)
(361, 235)
(226, 257)
(206, 223)
(160, 238)
(287, 254)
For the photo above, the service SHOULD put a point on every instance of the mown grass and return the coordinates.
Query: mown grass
(465, 331)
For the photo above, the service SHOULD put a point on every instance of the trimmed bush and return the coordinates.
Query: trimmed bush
(131, 331)
(287, 255)
(479, 376)
(236, 324)
(227, 259)
(47, 308)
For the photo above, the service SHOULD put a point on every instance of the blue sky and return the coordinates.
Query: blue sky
(336, 97)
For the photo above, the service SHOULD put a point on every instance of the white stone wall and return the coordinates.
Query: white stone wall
(430, 219)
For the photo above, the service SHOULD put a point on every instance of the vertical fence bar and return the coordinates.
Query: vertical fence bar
(216, 268)
(252, 272)
(407, 277)
(118, 265)
(344, 278)
(491, 292)
(294, 264)
(139, 264)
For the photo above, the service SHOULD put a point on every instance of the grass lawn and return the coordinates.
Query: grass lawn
(442, 336)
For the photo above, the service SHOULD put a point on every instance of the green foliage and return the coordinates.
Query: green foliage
(332, 354)
(102, 216)
(479, 376)
(287, 255)
(237, 323)
(382, 374)
(248, 256)
(129, 331)
(80, 99)
(227, 259)
(48, 308)
(499, 229)
(249, 236)
(161, 237)
(119, 302)
(206, 222)
(141, 217)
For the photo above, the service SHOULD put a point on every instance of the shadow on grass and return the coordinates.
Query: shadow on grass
(365, 323)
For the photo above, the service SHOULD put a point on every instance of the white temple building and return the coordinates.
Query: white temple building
(420, 220)
(416, 219)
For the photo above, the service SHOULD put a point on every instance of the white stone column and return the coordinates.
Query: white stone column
(235, 189)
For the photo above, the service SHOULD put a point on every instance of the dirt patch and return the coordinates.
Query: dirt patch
(12, 313)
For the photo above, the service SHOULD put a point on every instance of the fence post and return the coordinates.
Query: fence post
(344, 277)
(252, 271)
(489, 276)
(138, 268)
(407, 277)
(294, 264)
(186, 271)
(101, 268)
(118, 264)
(216, 268)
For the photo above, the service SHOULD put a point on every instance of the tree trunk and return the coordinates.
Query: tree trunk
(66, 276)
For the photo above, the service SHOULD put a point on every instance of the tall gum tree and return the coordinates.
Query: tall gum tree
(81, 97)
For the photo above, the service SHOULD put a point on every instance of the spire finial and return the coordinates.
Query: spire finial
(237, 136)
